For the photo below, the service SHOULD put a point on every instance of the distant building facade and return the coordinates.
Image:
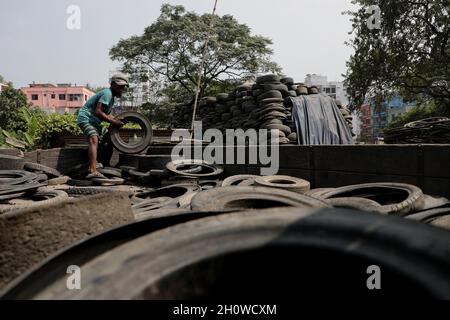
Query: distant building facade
(334, 89)
(366, 129)
(60, 98)
(397, 107)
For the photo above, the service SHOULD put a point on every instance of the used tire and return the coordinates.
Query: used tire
(408, 198)
(80, 183)
(226, 256)
(210, 170)
(59, 180)
(36, 167)
(241, 198)
(267, 78)
(140, 146)
(237, 179)
(284, 182)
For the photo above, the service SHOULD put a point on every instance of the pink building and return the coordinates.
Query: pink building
(59, 98)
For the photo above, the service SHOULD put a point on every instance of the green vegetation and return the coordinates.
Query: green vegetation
(408, 54)
(418, 113)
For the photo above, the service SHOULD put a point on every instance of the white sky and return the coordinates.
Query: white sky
(308, 35)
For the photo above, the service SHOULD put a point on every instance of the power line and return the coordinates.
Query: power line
(205, 48)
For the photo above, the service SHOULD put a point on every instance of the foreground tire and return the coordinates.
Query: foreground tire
(269, 254)
(140, 146)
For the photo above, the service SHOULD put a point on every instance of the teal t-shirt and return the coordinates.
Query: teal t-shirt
(87, 113)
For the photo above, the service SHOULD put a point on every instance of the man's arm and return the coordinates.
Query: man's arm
(100, 113)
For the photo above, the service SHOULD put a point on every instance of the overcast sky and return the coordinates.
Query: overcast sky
(36, 45)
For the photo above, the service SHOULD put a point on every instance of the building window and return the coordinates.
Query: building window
(34, 97)
(62, 97)
(53, 96)
(75, 97)
(85, 97)
(333, 90)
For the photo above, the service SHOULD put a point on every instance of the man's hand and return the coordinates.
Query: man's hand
(117, 123)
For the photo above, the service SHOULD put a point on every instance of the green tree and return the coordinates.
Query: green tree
(170, 50)
(11, 100)
(409, 53)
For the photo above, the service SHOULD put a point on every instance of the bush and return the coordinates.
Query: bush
(56, 124)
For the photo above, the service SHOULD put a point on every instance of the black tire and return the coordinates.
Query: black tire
(280, 87)
(272, 107)
(173, 191)
(241, 198)
(81, 169)
(287, 81)
(287, 131)
(257, 92)
(86, 191)
(11, 196)
(42, 177)
(58, 181)
(237, 179)
(270, 95)
(146, 127)
(361, 204)
(80, 183)
(411, 197)
(281, 246)
(8, 162)
(273, 115)
(429, 215)
(284, 182)
(11, 189)
(36, 167)
(209, 184)
(110, 172)
(16, 177)
(214, 170)
(108, 181)
(151, 204)
(292, 93)
(267, 78)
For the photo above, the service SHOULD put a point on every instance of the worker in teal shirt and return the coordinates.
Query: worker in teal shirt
(98, 109)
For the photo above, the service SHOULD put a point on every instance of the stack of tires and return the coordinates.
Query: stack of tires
(264, 104)
(346, 113)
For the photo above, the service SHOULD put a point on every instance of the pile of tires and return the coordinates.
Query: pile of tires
(346, 113)
(261, 254)
(29, 186)
(429, 130)
(264, 104)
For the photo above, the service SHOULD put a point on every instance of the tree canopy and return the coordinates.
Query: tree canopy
(170, 50)
(408, 54)
(11, 100)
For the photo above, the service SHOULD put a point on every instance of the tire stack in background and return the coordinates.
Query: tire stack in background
(346, 113)
(264, 104)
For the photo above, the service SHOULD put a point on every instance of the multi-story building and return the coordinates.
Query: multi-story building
(397, 107)
(366, 129)
(60, 98)
(334, 89)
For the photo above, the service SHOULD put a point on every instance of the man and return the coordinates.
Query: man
(96, 110)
